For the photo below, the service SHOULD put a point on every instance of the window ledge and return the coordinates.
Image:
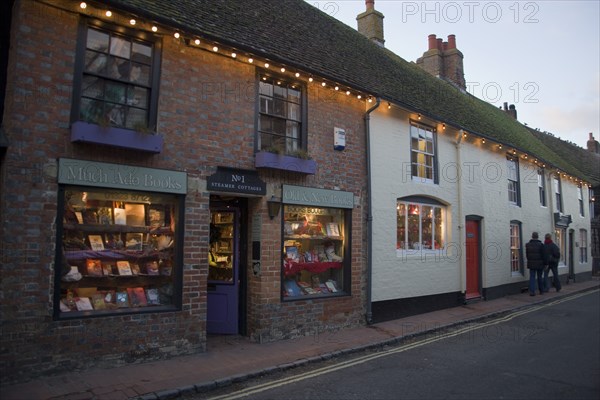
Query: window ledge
(265, 159)
(83, 132)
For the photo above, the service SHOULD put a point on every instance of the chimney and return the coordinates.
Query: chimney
(444, 60)
(370, 23)
(510, 110)
(593, 145)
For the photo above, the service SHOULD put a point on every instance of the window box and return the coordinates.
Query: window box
(265, 159)
(118, 137)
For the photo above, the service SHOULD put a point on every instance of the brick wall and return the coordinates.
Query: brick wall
(206, 113)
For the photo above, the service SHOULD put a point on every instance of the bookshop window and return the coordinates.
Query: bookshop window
(422, 146)
(118, 82)
(419, 226)
(117, 252)
(316, 254)
(281, 127)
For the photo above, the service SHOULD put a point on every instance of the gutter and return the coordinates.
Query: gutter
(369, 315)
(463, 263)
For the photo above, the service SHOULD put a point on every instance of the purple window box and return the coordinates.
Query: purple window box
(118, 137)
(265, 159)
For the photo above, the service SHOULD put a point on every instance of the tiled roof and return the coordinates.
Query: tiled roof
(299, 35)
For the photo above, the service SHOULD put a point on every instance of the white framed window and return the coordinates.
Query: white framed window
(516, 266)
(583, 246)
(541, 186)
(512, 164)
(580, 200)
(557, 193)
(420, 224)
(591, 203)
(422, 157)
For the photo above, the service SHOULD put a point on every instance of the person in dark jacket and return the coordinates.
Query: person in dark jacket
(551, 259)
(534, 251)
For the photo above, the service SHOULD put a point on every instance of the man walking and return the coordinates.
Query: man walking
(551, 259)
(534, 251)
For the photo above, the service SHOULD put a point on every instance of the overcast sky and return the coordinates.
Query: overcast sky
(541, 56)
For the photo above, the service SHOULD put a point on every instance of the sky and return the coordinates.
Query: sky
(541, 56)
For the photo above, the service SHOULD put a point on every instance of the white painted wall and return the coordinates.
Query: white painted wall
(483, 174)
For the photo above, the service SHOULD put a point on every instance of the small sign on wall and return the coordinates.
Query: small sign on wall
(339, 139)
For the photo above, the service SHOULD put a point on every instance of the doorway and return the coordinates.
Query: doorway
(226, 256)
(473, 255)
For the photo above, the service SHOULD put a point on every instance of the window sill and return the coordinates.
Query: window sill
(83, 132)
(269, 160)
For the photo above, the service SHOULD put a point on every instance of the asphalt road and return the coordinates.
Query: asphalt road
(548, 351)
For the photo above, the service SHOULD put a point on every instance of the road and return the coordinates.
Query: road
(548, 351)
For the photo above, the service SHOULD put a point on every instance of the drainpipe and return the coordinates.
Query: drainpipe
(370, 214)
(463, 264)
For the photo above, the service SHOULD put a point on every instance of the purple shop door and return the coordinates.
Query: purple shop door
(223, 278)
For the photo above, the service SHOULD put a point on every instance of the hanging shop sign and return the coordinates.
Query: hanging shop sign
(233, 180)
(98, 174)
(317, 197)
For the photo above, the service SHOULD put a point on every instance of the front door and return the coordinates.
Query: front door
(473, 260)
(223, 271)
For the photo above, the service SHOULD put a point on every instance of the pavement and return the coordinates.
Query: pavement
(231, 359)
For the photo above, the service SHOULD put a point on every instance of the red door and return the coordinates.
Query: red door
(473, 259)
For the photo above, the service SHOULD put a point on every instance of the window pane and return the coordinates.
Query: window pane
(95, 62)
(279, 107)
(426, 227)
(141, 53)
(120, 47)
(91, 111)
(294, 95)
(92, 87)
(138, 97)
(294, 111)
(97, 40)
(439, 226)
(265, 124)
(265, 88)
(413, 226)
(115, 92)
(139, 74)
(401, 227)
(279, 92)
(136, 119)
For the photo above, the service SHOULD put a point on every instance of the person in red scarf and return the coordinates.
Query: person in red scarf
(551, 259)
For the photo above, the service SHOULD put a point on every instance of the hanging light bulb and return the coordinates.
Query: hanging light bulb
(132, 21)
(154, 28)
(108, 13)
(177, 35)
(83, 5)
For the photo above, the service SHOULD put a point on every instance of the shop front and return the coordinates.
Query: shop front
(119, 239)
(230, 190)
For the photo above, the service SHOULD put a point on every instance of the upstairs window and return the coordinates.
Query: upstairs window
(541, 187)
(423, 157)
(591, 203)
(281, 127)
(118, 80)
(557, 193)
(580, 201)
(512, 164)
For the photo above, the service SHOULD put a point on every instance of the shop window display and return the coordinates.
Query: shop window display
(117, 252)
(314, 251)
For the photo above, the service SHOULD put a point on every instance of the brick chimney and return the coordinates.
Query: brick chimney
(510, 110)
(444, 60)
(370, 23)
(593, 145)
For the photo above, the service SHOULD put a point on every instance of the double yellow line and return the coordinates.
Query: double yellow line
(370, 357)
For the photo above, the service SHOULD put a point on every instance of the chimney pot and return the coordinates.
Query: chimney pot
(439, 45)
(432, 41)
(451, 41)
(370, 4)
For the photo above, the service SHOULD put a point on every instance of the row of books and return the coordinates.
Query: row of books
(98, 268)
(131, 214)
(111, 299)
